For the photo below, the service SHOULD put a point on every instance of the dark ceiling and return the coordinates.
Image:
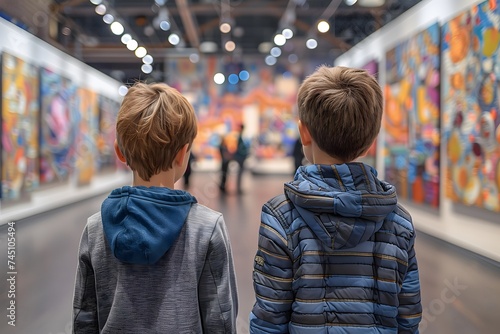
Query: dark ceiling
(82, 32)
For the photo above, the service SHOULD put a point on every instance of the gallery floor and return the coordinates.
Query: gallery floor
(460, 291)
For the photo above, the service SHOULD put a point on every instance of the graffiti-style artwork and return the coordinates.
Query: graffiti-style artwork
(58, 127)
(88, 134)
(20, 113)
(471, 105)
(371, 156)
(108, 110)
(412, 117)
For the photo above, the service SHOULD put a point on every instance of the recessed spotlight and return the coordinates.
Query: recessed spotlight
(147, 59)
(288, 33)
(270, 60)
(225, 27)
(194, 58)
(323, 26)
(311, 43)
(117, 28)
(174, 39)
(132, 45)
(108, 18)
(146, 68)
(230, 46)
(219, 78)
(122, 90)
(101, 9)
(279, 40)
(164, 25)
(126, 38)
(141, 52)
(276, 52)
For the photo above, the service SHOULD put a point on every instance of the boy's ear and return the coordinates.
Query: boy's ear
(119, 153)
(181, 155)
(305, 136)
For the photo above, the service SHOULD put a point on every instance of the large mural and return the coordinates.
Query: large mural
(58, 127)
(412, 115)
(471, 120)
(20, 113)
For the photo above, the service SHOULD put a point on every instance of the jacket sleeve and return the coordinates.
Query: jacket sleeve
(217, 291)
(410, 307)
(84, 300)
(272, 278)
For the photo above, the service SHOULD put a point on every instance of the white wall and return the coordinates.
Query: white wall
(31, 49)
(472, 228)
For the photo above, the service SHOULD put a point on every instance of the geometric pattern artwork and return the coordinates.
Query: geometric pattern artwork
(19, 135)
(412, 117)
(471, 104)
(58, 127)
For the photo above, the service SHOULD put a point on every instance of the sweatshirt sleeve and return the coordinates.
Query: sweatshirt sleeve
(272, 279)
(410, 307)
(84, 300)
(217, 287)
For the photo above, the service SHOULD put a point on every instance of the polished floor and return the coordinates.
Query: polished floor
(460, 292)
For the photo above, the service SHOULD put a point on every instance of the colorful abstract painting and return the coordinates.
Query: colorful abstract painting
(108, 110)
(86, 149)
(20, 113)
(412, 117)
(471, 105)
(251, 90)
(58, 127)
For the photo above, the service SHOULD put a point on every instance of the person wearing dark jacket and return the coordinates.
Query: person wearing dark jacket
(153, 260)
(336, 250)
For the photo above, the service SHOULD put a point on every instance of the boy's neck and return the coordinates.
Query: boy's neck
(162, 179)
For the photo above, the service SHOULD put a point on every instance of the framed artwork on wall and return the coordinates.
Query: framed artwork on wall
(471, 105)
(108, 110)
(20, 138)
(86, 151)
(412, 117)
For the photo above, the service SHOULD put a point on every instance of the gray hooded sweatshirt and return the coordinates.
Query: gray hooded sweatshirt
(154, 261)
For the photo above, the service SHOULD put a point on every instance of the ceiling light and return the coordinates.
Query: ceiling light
(323, 26)
(146, 68)
(164, 25)
(208, 47)
(174, 39)
(101, 9)
(371, 3)
(244, 75)
(66, 31)
(230, 46)
(311, 43)
(122, 90)
(270, 60)
(279, 39)
(225, 27)
(233, 79)
(288, 33)
(96, 2)
(194, 58)
(126, 38)
(160, 2)
(141, 52)
(219, 78)
(265, 47)
(350, 2)
(108, 18)
(147, 59)
(132, 45)
(292, 58)
(276, 52)
(117, 28)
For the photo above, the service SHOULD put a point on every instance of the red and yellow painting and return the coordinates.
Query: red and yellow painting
(412, 117)
(471, 120)
(20, 112)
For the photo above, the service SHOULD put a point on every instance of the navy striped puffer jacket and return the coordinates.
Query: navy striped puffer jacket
(336, 255)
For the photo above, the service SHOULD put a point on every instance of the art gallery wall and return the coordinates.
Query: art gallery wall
(34, 51)
(468, 226)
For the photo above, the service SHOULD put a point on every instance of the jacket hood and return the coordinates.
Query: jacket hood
(141, 223)
(344, 205)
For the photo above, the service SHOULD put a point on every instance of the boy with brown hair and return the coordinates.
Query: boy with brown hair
(336, 251)
(153, 260)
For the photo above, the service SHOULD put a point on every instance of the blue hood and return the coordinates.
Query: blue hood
(343, 205)
(141, 224)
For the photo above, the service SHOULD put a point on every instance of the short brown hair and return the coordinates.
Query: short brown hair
(342, 109)
(154, 122)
